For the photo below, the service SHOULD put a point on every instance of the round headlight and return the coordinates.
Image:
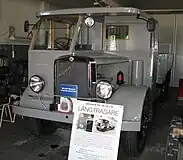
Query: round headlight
(36, 84)
(89, 21)
(104, 90)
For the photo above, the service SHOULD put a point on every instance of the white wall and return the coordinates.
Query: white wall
(15, 12)
(166, 23)
(171, 31)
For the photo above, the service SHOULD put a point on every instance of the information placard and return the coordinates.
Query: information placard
(95, 131)
(69, 90)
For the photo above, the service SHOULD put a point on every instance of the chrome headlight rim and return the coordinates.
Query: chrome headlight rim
(89, 21)
(42, 82)
(104, 81)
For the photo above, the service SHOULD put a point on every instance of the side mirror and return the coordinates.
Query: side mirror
(151, 24)
(26, 26)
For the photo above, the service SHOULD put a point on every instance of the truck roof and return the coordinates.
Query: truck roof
(103, 11)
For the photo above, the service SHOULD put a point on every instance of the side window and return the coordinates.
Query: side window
(120, 32)
(115, 35)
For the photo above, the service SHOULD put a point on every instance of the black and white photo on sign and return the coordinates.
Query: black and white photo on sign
(105, 125)
(85, 122)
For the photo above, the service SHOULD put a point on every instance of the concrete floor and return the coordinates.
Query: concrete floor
(17, 143)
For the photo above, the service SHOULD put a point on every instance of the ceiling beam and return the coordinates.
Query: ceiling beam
(117, 3)
(157, 4)
(111, 3)
(87, 3)
(63, 4)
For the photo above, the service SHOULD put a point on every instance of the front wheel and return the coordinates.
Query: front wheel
(133, 143)
(39, 127)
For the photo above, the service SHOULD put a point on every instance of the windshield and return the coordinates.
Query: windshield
(57, 33)
(91, 38)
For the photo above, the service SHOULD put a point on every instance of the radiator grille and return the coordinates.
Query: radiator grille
(73, 73)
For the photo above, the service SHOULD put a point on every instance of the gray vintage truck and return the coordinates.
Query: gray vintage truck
(111, 54)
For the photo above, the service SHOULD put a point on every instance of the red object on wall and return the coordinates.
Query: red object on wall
(180, 95)
(120, 78)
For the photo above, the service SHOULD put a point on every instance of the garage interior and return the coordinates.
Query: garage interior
(15, 140)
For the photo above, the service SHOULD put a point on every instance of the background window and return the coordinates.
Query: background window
(119, 31)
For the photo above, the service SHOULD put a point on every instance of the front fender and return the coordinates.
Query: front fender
(29, 101)
(132, 98)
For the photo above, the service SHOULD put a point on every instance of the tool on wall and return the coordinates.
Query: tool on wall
(12, 32)
(27, 28)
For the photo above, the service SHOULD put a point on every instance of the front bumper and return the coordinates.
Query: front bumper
(64, 118)
(42, 114)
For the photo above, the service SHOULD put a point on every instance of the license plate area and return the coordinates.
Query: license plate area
(66, 105)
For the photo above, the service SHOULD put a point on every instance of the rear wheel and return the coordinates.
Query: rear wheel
(174, 149)
(133, 143)
(164, 95)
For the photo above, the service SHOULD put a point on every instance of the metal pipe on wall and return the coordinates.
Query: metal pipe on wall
(163, 11)
(174, 49)
(137, 72)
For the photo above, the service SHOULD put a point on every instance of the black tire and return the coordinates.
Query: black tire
(165, 88)
(173, 146)
(133, 143)
(38, 127)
